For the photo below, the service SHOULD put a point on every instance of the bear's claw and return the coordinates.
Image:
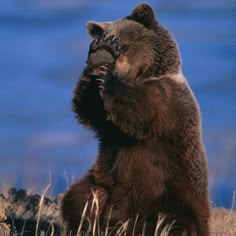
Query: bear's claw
(104, 78)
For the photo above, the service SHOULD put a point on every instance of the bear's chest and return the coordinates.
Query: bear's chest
(140, 170)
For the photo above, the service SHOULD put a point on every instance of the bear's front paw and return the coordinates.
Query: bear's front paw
(104, 51)
(104, 80)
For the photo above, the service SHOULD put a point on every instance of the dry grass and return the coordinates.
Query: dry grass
(223, 222)
(25, 215)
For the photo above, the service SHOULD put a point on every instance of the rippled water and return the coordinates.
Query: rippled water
(43, 49)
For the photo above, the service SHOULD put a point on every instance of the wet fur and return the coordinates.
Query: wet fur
(151, 159)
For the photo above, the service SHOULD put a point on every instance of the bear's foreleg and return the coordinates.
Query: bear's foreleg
(134, 109)
(87, 103)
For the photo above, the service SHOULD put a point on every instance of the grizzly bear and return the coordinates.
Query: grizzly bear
(151, 163)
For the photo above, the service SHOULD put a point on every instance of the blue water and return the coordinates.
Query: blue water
(43, 48)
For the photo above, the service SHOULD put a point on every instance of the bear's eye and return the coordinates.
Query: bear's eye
(124, 48)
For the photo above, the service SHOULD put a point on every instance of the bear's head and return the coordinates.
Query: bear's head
(150, 48)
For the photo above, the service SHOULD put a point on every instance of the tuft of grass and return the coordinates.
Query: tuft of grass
(223, 222)
(24, 214)
(28, 214)
(40, 208)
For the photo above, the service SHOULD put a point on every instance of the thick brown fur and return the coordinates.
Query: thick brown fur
(151, 159)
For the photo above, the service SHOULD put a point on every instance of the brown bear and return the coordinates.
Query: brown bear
(151, 163)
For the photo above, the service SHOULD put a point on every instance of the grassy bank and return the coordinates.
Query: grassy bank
(31, 214)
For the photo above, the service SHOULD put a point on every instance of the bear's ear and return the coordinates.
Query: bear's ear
(144, 14)
(95, 29)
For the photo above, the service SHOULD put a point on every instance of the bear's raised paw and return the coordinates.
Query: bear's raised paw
(104, 50)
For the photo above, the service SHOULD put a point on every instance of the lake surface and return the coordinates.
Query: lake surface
(43, 49)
